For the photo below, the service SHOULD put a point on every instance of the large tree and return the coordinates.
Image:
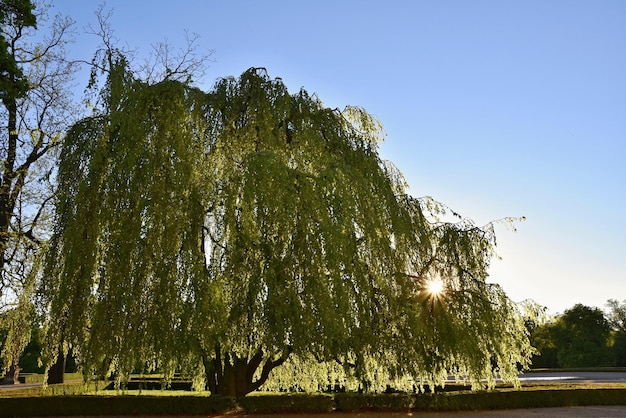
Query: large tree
(34, 94)
(222, 233)
(581, 337)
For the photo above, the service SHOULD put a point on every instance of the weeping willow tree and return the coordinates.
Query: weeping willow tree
(223, 234)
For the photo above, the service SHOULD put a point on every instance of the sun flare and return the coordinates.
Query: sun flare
(435, 286)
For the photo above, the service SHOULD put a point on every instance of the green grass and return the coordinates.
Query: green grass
(64, 389)
(38, 377)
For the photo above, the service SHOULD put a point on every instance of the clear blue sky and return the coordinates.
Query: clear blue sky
(496, 108)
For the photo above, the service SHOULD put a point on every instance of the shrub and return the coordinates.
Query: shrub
(352, 402)
(114, 405)
(283, 403)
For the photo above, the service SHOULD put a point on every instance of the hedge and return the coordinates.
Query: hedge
(114, 405)
(75, 405)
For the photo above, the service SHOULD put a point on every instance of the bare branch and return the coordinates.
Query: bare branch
(184, 64)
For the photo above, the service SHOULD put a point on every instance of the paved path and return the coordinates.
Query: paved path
(582, 411)
(595, 377)
(566, 412)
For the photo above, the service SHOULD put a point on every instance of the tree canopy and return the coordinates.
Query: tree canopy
(581, 338)
(13, 14)
(220, 233)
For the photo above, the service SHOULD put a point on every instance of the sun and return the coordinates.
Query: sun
(433, 293)
(435, 286)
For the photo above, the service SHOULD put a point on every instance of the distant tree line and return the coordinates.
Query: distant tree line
(582, 336)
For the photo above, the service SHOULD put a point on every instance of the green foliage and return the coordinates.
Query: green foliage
(539, 327)
(618, 346)
(543, 339)
(617, 319)
(65, 389)
(581, 338)
(30, 358)
(13, 82)
(617, 315)
(18, 323)
(247, 226)
(143, 276)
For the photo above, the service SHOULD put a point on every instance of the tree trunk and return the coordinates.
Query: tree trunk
(235, 376)
(13, 375)
(56, 374)
(6, 179)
